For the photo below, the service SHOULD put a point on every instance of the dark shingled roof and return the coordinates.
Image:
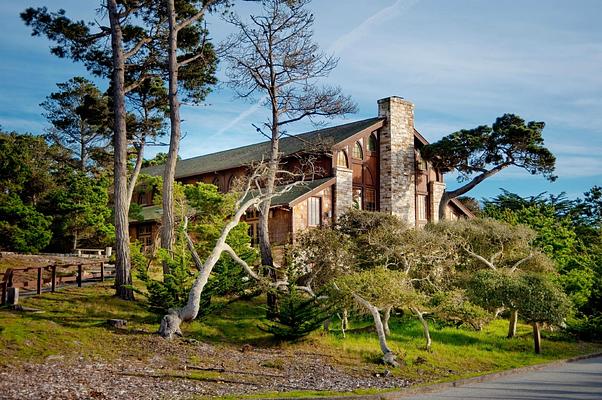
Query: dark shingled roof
(295, 192)
(155, 212)
(245, 155)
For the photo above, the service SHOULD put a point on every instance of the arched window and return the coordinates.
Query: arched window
(342, 159)
(372, 143)
(357, 151)
(217, 182)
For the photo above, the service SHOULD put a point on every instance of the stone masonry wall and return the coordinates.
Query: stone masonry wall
(397, 163)
(343, 191)
(436, 190)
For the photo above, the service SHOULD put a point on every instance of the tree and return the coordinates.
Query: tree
(27, 169)
(190, 59)
(79, 116)
(373, 291)
(80, 210)
(274, 56)
(22, 227)
(479, 153)
(128, 61)
(245, 198)
(489, 244)
(541, 301)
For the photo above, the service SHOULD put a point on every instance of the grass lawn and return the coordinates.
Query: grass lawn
(73, 324)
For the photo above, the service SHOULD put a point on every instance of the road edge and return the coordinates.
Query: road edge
(437, 387)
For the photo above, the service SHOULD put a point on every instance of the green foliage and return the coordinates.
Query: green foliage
(455, 306)
(379, 286)
(208, 210)
(494, 289)
(22, 227)
(508, 141)
(80, 208)
(541, 300)
(79, 115)
(298, 315)
(567, 232)
(172, 291)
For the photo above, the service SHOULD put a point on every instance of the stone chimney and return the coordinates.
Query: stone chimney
(397, 161)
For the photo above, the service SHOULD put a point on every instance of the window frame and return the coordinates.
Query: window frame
(357, 147)
(311, 218)
(345, 158)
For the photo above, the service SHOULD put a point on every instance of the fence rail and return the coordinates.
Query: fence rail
(11, 275)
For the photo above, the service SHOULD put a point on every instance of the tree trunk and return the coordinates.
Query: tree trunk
(170, 324)
(537, 337)
(168, 221)
(388, 355)
(512, 324)
(445, 199)
(265, 246)
(425, 328)
(345, 320)
(447, 196)
(136, 172)
(123, 276)
(386, 319)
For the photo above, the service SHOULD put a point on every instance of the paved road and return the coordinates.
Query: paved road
(575, 380)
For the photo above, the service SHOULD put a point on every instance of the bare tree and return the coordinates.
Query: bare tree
(274, 57)
(251, 195)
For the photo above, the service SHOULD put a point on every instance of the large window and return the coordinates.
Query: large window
(421, 207)
(314, 211)
(372, 143)
(370, 195)
(357, 151)
(342, 159)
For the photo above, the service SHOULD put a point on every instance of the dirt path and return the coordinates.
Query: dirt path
(219, 371)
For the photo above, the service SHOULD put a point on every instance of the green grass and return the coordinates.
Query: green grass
(73, 324)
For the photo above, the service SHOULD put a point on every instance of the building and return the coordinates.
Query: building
(372, 164)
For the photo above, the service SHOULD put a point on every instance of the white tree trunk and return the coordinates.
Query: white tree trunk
(388, 356)
(386, 319)
(425, 328)
(170, 325)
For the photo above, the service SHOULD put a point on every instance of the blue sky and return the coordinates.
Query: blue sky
(462, 63)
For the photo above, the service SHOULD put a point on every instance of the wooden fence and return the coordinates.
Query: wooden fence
(22, 277)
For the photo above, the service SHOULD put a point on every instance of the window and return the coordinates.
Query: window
(144, 229)
(314, 211)
(370, 200)
(357, 151)
(421, 207)
(342, 159)
(142, 198)
(372, 143)
(216, 182)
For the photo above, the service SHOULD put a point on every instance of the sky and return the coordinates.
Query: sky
(462, 63)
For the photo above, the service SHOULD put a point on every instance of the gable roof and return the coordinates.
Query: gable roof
(245, 155)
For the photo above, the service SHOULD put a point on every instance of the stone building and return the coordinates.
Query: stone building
(372, 164)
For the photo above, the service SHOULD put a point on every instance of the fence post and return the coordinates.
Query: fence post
(79, 275)
(102, 271)
(53, 278)
(39, 286)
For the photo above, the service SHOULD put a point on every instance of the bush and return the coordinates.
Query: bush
(297, 316)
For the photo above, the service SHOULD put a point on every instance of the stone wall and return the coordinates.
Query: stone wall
(343, 191)
(436, 192)
(397, 159)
